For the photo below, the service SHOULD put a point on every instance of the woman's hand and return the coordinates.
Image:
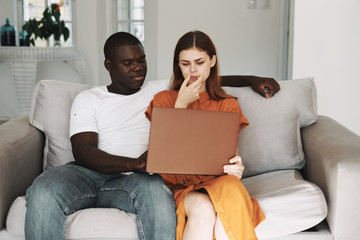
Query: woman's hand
(188, 93)
(235, 167)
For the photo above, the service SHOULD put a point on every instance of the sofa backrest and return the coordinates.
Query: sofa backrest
(271, 142)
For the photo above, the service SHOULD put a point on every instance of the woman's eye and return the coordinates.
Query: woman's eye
(199, 63)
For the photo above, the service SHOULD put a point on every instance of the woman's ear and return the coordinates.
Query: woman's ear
(108, 64)
(213, 61)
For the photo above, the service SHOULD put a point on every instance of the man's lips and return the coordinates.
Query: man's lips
(139, 78)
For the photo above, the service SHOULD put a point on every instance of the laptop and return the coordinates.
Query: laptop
(184, 141)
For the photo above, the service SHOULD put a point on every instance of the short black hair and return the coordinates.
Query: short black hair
(116, 40)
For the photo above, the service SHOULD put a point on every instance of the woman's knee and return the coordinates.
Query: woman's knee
(199, 205)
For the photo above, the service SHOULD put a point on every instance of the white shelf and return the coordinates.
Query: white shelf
(24, 62)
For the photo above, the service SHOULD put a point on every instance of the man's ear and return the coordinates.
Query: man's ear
(108, 64)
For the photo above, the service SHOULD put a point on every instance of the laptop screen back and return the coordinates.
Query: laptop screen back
(184, 141)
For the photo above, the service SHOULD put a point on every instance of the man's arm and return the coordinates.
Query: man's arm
(266, 87)
(87, 154)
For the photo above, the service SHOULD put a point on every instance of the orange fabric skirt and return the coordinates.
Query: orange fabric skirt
(239, 214)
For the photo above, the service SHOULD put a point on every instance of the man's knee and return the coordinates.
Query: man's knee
(48, 187)
(41, 192)
(156, 196)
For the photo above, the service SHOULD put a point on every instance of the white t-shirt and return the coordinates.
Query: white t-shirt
(118, 119)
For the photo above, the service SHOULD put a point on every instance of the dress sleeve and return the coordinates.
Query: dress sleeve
(162, 99)
(232, 105)
(148, 111)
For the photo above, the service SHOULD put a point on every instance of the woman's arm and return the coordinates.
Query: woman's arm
(265, 86)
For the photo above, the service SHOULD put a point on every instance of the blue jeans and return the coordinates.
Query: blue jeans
(63, 190)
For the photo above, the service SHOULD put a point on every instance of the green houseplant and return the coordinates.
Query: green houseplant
(50, 24)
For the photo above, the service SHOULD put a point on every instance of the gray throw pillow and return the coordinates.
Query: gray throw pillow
(272, 141)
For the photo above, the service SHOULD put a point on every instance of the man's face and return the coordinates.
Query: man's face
(127, 69)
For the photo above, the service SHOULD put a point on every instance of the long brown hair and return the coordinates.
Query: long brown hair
(201, 41)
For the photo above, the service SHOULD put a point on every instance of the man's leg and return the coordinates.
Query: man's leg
(146, 196)
(55, 194)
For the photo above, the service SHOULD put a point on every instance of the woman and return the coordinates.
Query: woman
(200, 199)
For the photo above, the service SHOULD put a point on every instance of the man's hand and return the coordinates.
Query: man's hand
(141, 162)
(235, 167)
(266, 87)
(188, 93)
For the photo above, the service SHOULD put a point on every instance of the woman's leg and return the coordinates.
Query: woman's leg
(234, 207)
(200, 215)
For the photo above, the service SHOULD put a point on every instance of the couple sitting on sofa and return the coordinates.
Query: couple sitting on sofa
(109, 135)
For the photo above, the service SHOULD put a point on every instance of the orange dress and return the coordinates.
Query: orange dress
(239, 214)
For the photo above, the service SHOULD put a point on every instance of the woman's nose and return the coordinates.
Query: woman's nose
(193, 68)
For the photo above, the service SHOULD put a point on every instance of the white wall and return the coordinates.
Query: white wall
(247, 39)
(327, 47)
(90, 33)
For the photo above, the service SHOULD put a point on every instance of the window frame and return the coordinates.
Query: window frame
(128, 20)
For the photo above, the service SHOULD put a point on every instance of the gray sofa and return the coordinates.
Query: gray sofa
(304, 169)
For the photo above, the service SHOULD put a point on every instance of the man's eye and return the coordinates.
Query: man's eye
(127, 63)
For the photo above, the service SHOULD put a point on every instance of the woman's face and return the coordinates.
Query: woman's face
(196, 63)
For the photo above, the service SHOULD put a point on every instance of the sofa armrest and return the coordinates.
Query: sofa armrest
(333, 163)
(21, 154)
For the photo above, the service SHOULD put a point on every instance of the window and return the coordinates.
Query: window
(35, 8)
(130, 17)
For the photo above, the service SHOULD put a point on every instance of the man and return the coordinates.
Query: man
(109, 134)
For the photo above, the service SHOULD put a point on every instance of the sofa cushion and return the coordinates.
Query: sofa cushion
(272, 141)
(50, 112)
(102, 223)
(92, 223)
(290, 205)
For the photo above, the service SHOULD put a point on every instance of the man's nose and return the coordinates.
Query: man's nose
(137, 66)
